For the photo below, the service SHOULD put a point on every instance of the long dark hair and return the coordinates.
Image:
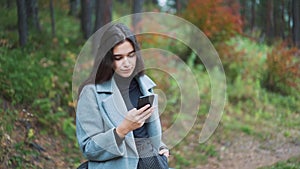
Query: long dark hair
(103, 66)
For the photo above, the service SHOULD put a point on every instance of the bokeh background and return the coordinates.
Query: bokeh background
(257, 41)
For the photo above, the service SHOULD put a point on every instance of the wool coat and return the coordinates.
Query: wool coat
(100, 109)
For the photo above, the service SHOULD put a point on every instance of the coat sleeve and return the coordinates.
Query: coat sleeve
(95, 143)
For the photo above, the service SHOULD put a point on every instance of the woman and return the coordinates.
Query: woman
(111, 131)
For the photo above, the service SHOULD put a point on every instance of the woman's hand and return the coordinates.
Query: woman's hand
(164, 152)
(134, 119)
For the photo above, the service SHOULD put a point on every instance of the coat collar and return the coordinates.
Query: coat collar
(113, 102)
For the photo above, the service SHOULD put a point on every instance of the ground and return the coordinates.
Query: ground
(30, 147)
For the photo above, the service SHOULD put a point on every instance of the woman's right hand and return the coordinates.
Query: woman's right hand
(134, 119)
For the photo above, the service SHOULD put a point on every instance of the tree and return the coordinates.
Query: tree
(269, 27)
(32, 14)
(22, 22)
(252, 20)
(296, 22)
(103, 13)
(121, 1)
(9, 3)
(52, 18)
(136, 8)
(73, 7)
(86, 18)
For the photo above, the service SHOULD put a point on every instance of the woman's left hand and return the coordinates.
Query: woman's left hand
(164, 152)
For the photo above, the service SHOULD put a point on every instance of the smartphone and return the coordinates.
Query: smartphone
(144, 100)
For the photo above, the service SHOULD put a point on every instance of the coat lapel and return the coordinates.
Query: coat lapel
(146, 85)
(115, 103)
(114, 106)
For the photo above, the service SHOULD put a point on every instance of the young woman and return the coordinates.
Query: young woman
(111, 131)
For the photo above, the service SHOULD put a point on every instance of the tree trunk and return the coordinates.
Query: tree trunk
(22, 22)
(282, 26)
(289, 9)
(73, 7)
(296, 22)
(86, 18)
(276, 18)
(243, 11)
(52, 18)
(155, 2)
(252, 20)
(137, 8)
(32, 14)
(178, 6)
(103, 13)
(9, 3)
(270, 20)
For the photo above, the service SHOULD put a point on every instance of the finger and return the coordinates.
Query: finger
(141, 110)
(146, 115)
(164, 152)
(146, 112)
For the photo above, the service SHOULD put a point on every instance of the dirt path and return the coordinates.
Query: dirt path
(249, 153)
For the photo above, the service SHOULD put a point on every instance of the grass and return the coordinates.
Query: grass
(293, 163)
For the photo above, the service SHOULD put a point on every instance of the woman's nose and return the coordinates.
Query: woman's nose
(126, 61)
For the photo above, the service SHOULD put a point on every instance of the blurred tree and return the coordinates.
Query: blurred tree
(9, 3)
(269, 27)
(86, 18)
(121, 1)
(289, 16)
(73, 7)
(52, 18)
(155, 2)
(296, 22)
(176, 6)
(253, 15)
(32, 14)
(103, 13)
(22, 22)
(277, 18)
(279, 23)
(136, 8)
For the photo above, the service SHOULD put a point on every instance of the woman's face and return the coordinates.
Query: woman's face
(124, 59)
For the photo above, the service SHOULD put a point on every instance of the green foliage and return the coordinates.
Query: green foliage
(23, 155)
(207, 149)
(38, 78)
(248, 98)
(181, 161)
(69, 129)
(293, 163)
(19, 73)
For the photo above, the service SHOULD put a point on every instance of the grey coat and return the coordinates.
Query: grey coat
(100, 110)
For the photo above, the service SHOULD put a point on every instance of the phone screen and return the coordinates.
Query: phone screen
(144, 100)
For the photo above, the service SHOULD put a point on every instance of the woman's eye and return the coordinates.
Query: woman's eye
(131, 54)
(117, 57)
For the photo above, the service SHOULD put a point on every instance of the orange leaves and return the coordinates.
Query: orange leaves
(218, 19)
(283, 69)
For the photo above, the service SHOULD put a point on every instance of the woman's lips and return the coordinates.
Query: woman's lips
(126, 70)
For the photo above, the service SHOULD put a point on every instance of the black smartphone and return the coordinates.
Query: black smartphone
(144, 100)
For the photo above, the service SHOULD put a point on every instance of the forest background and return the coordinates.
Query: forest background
(258, 42)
